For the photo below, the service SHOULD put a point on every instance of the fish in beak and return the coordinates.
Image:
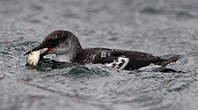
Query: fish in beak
(60, 43)
(34, 55)
(42, 49)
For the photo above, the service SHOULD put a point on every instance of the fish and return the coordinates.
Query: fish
(33, 57)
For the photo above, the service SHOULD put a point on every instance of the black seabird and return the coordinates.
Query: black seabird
(65, 43)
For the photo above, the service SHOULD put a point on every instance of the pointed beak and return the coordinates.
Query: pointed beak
(43, 50)
(34, 49)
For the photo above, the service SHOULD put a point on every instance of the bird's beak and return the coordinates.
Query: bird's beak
(43, 50)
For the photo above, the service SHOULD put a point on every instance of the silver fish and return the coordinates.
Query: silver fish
(33, 58)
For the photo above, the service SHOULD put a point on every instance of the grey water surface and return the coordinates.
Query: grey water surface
(160, 27)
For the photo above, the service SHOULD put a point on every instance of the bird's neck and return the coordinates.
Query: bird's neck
(75, 46)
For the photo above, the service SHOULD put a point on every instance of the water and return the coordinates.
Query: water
(160, 27)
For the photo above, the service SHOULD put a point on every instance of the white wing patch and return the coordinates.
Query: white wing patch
(150, 68)
(104, 54)
(120, 63)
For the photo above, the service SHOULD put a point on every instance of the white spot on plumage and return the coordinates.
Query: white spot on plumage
(120, 63)
(103, 54)
(126, 61)
(150, 68)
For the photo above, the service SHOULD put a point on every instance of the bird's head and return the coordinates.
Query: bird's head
(58, 42)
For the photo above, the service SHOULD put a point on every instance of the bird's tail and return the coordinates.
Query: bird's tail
(168, 59)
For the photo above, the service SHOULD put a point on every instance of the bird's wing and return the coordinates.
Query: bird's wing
(124, 59)
(134, 54)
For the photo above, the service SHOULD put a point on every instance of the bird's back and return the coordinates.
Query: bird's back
(120, 59)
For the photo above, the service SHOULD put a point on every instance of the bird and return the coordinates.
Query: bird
(65, 43)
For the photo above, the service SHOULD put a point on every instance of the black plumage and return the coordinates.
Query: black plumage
(60, 42)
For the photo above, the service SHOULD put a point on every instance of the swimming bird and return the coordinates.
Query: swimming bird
(65, 43)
